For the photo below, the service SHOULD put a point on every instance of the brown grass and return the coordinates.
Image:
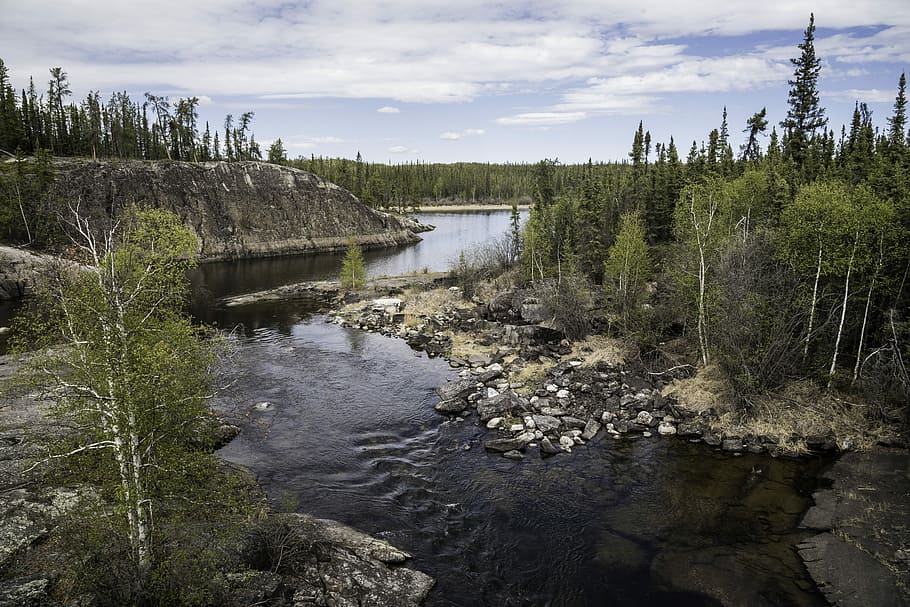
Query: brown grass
(799, 410)
(602, 349)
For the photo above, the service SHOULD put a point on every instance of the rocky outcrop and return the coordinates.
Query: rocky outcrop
(237, 209)
(20, 269)
(862, 555)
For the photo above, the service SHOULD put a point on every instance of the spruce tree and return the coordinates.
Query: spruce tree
(353, 271)
(805, 115)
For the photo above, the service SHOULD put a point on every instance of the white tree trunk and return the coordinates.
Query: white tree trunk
(843, 315)
(818, 273)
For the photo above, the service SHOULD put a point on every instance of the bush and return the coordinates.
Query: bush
(484, 262)
(569, 301)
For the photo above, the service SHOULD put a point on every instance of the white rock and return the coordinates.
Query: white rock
(494, 423)
(492, 392)
(607, 417)
(516, 428)
(526, 437)
(646, 434)
(566, 442)
(538, 435)
(529, 422)
(563, 394)
(495, 367)
(666, 429)
(575, 363)
(552, 388)
(534, 399)
(644, 418)
(263, 406)
(578, 440)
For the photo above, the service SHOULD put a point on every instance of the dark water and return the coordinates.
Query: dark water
(352, 435)
(455, 232)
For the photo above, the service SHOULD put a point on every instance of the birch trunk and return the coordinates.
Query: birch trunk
(843, 314)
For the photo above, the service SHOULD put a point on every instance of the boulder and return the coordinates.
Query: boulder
(454, 405)
(545, 423)
(591, 429)
(456, 389)
(548, 448)
(666, 429)
(498, 406)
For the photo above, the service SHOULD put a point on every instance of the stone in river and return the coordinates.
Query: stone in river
(591, 429)
(455, 405)
(666, 429)
(545, 423)
(497, 406)
(456, 389)
(513, 454)
(548, 448)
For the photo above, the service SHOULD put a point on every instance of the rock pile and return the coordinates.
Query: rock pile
(573, 405)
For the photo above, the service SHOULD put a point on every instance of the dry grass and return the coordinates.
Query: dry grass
(530, 374)
(708, 389)
(596, 349)
(466, 344)
(799, 410)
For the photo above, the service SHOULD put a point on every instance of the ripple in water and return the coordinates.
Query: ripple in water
(353, 436)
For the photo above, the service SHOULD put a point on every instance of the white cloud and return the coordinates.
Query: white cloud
(387, 109)
(301, 141)
(428, 51)
(403, 149)
(863, 95)
(453, 136)
(541, 118)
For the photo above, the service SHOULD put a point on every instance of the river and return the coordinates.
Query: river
(352, 435)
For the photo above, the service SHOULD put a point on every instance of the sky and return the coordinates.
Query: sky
(466, 80)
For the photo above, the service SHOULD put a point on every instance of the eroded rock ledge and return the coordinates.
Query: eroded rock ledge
(237, 209)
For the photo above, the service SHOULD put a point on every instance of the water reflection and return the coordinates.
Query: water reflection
(633, 522)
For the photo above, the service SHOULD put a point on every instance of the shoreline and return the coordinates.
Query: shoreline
(470, 208)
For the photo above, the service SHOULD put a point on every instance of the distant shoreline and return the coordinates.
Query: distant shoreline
(463, 208)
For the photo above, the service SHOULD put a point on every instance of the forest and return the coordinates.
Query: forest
(787, 257)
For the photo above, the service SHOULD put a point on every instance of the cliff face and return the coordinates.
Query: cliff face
(237, 209)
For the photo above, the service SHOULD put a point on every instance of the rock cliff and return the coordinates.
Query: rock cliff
(237, 209)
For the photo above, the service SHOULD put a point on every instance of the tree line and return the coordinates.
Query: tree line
(780, 260)
(153, 128)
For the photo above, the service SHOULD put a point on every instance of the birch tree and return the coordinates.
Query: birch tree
(699, 213)
(127, 365)
(628, 264)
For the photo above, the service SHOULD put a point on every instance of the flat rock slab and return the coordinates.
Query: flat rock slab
(862, 559)
(848, 575)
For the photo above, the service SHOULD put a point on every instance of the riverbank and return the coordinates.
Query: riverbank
(277, 558)
(535, 392)
(468, 207)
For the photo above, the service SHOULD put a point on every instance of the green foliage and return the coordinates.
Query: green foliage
(131, 375)
(353, 270)
(628, 267)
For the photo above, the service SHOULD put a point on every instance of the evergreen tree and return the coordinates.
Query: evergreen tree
(353, 270)
(805, 115)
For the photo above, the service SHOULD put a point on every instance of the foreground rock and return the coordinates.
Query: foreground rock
(862, 555)
(328, 564)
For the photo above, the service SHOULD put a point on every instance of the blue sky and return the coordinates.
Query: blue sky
(466, 80)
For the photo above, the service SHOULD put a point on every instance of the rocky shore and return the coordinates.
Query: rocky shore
(570, 397)
(324, 563)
